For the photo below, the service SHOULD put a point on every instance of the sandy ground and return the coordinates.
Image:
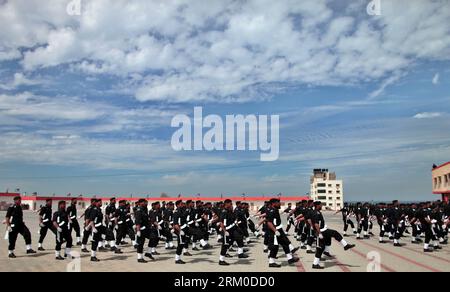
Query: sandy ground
(409, 258)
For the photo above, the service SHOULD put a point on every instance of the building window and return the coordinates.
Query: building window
(330, 198)
(435, 182)
(322, 191)
(338, 192)
(331, 205)
(330, 186)
(338, 198)
(321, 198)
(330, 192)
(321, 185)
(338, 204)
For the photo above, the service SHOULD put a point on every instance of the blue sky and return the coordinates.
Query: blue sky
(86, 101)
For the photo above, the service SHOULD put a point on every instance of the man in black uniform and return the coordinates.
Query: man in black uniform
(276, 235)
(74, 225)
(423, 216)
(181, 230)
(362, 216)
(61, 223)
(394, 217)
(110, 212)
(97, 227)
(16, 226)
(142, 229)
(120, 218)
(167, 225)
(230, 233)
(324, 235)
(346, 219)
(45, 222)
(155, 227)
(87, 226)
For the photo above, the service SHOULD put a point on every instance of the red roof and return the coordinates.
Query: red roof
(9, 194)
(440, 166)
(209, 199)
(440, 193)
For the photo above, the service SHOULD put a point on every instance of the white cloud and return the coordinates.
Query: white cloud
(435, 79)
(427, 115)
(227, 51)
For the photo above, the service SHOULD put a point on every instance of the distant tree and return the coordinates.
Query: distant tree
(164, 195)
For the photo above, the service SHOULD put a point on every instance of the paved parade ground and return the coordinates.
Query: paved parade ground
(408, 258)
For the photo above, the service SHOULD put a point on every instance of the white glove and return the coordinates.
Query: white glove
(278, 233)
(320, 236)
(10, 229)
(182, 233)
(227, 233)
(138, 234)
(95, 230)
(433, 221)
(196, 224)
(42, 225)
(59, 229)
(87, 228)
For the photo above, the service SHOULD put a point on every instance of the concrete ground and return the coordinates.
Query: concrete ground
(408, 258)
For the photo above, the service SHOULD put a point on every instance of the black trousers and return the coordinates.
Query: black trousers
(167, 234)
(428, 233)
(16, 230)
(74, 225)
(326, 241)
(98, 236)
(122, 231)
(363, 224)
(182, 243)
(153, 238)
(66, 236)
(235, 235)
(275, 242)
(251, 225)
(110, 233)
(145, 234)
(348, 222)
(197, 233)
(44, 230)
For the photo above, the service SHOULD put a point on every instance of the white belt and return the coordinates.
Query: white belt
(198, 220)
(324, 229)
(120, 222)
(280, 226)
(73, 217)
(61, 224)
(161, 222)
(190, 222)
(143, 228)
(98, 224)
(184, 226)
(230, 226)
(45, 220)
(127, 220)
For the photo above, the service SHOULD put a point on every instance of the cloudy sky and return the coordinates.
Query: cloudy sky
(86, 101)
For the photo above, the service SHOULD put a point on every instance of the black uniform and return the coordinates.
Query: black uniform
(46, 214)
(96, 216)
(232, 232)
(74, 225)
(61, 218)
(167, 225)
(323, 241)
(15, 215)
(87, 231)
(180, 219)
(122, 216)
(110, 212)
(273, 216)
(142, 219)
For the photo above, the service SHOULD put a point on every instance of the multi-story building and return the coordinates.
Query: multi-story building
(441, 180)
(325, 187)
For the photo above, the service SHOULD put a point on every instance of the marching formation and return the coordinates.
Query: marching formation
(186, 226)
(395, 221)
